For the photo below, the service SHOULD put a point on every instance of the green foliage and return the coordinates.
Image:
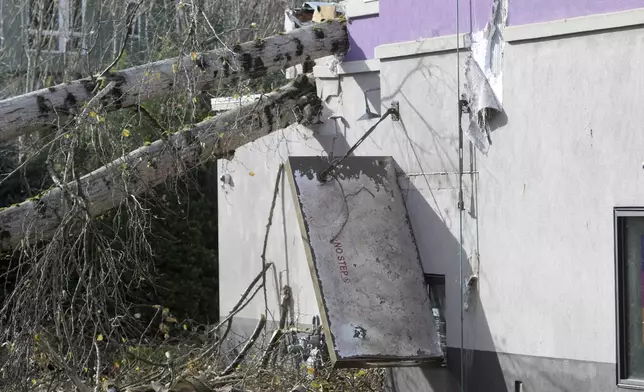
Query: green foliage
(183, 238)
(17, 188)
(185, 247)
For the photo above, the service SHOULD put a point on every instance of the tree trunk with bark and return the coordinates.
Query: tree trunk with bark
(38, 219)
(46, 109)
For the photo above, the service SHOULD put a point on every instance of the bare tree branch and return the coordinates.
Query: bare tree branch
(140, 170)
(249, 344)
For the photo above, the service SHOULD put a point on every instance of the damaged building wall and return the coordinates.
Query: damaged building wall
(411, 20)
(537, 224)
(565, 150)
(245, 197)
(244, 203)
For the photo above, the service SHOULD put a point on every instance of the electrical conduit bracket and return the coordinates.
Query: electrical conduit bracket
(395, 107)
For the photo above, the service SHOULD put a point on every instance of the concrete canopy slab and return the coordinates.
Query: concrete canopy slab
(364, 263)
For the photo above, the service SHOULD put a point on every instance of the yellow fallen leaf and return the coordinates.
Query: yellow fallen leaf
(185, 327)
(125, 132)
(99, 337)
(193, 55)
(252, 173)
(92, 114)
(171, 319)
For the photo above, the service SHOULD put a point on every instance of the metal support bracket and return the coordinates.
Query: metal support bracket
(464, 105)
(395, 106)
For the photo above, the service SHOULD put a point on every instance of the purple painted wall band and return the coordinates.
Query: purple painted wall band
(409, 20)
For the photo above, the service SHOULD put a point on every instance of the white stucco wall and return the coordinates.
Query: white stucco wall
(539, 215)
(243, 216)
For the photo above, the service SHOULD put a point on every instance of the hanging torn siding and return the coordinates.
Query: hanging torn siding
(484, 77)
(364, 262)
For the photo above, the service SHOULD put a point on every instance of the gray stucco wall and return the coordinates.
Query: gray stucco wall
(538, 210)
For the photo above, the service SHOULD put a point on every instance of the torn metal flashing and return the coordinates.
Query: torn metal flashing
(484, 73)
(364, 263)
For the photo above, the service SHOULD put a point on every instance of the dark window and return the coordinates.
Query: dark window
(629, 257)
(436, 289)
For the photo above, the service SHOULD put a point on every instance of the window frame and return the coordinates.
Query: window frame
(621, 326)
(63, 33)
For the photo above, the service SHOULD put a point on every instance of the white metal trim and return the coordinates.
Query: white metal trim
(621, 212)
(347, 68)
(354, 67)
(421, 46)
(583, 24)
(227, 103)
(358, 8)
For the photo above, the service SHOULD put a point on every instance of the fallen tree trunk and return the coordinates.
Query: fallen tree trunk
(105, 188)
(43, 110)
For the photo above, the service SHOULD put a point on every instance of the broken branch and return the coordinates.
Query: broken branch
(249, 344)
(38, 219)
